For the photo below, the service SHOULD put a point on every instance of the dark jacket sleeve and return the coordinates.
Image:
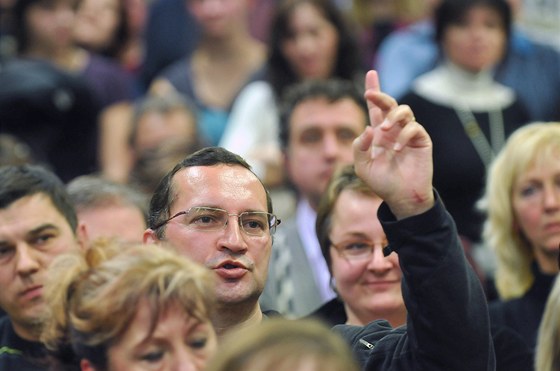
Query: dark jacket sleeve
(448, 326)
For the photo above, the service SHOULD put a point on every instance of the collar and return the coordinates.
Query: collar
(450, 85)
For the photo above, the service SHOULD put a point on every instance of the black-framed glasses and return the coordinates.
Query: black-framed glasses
(356, 250)
(209, 219)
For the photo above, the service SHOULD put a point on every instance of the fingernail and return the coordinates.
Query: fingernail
(397, 146)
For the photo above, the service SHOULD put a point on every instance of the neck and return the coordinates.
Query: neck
(396, 317)
(28, 331)
(65, 58)
(547, 261)
(235, 45)
(230, 317)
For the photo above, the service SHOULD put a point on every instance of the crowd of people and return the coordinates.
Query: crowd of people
(289, 185)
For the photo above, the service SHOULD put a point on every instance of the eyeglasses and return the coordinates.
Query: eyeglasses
(209, 219)
(356, 250)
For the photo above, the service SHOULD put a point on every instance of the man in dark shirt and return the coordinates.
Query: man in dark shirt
(37, 223)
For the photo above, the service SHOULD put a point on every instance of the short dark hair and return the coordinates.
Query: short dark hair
(162, 199)
(332, 90)
(451, 12)
(27, 180)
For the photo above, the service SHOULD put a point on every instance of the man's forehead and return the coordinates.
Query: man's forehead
(30, 213)
(306, 110)
(221, 181)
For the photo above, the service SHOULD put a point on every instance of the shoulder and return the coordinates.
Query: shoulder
(332, 312)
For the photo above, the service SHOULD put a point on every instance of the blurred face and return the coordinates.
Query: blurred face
(123, 222)
(49, 24)
(179, 342)
(32, 234)
(97, 23)
(155, 128)
(311, 45)
(371, 286)
(536, 205)
(218, 18)
(478, 42)
(321, 135)
(239, 260)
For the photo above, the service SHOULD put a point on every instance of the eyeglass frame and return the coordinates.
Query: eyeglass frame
(387, 250)
(270, 217)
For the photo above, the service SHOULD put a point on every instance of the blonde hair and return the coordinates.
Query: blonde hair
(93, 298)
(548, 342)
(280, 344)
(527, 146)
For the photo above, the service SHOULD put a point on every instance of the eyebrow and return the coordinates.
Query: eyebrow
(41, 228)
(34, 232)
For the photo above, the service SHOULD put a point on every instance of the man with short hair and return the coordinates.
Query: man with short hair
(37, 223)
(212, 208)
(109, 209)
(319, 121)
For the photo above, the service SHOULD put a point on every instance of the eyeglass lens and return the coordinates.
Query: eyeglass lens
(254, 223)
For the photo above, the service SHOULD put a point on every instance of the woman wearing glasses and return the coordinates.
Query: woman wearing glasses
(352, 241)
(367, 281)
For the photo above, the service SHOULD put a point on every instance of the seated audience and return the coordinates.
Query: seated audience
(522, 201)
(123, 307)
(213, 208)
(309, 39)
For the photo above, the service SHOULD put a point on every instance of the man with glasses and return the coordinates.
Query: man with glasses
(212, 208)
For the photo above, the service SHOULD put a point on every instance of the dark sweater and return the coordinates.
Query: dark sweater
(19, 354)
(524, 314)
(448, 326)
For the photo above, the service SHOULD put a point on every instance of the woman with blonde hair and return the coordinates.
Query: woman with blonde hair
(125, 307)
(523, 225)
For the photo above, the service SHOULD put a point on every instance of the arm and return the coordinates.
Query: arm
(448, 325)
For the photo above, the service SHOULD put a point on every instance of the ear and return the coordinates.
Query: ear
(150, 236)
(85, 365)
(82, 236)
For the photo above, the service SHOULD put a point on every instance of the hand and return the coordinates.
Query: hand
(394, 154)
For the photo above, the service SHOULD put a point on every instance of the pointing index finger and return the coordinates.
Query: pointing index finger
(372, 86)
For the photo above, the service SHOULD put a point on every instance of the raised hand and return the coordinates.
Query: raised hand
(394, 154)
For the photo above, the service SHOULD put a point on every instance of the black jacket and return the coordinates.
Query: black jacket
(448, 326)
(19, 354)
